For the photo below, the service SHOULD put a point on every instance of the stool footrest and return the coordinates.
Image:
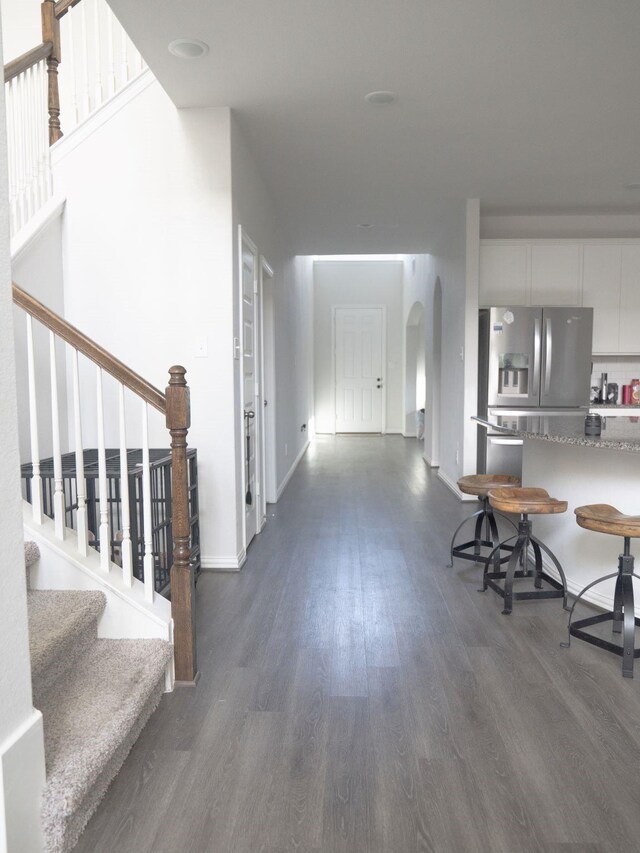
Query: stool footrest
(525, 595)
(460, 551)
(576, 631)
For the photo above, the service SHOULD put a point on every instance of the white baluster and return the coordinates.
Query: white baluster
(124, 50)
(149, 584)
(11, 150)
(86, 97)
(112, 86)
(127, 553)
(70, 57)
(82, 524)
(19, 125)
(34, 196)
(58, 484)
(43, 135)
(105, 538)
(97, 48)
(36, 479)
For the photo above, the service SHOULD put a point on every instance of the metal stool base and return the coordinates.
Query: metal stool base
(622, 616)
(519, 554)
(470, 550)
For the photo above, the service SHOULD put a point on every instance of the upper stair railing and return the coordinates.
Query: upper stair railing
(42, 94)
(174, 404)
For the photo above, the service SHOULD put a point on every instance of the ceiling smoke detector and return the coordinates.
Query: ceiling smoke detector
(380, 98)
(365, 225)
(188, 48)
(633, 185)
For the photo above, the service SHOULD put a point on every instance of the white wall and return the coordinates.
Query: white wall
(448, 265)
(254, 211)
(148, 271)
(414, 292)
(21, 27)
(21, 742)
(357, 282)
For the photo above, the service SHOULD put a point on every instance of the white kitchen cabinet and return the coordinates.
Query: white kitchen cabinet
(555, 274)
(503, 274)
(601, 291)
(630, 300)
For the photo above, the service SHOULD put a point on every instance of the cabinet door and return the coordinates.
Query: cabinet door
(630, 300)
(503, 275)
(601, 291)
(555, 274)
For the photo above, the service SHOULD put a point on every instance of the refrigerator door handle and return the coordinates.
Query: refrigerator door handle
(548, 354)
(535, 390)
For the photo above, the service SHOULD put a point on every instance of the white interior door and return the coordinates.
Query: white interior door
(250, 388)
(359, 380)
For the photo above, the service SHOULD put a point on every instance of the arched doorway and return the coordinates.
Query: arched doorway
(432, 423)
(415, 379)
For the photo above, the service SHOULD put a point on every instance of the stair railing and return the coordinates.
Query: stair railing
(101, 61)
(174, 404)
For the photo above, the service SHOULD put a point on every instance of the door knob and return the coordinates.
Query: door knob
(250, 414)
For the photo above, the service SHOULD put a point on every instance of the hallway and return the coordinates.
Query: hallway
(357, 696)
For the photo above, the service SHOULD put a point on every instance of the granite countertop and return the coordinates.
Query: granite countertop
(618, 433)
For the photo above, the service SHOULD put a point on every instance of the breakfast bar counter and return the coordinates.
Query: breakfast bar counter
(581, 469)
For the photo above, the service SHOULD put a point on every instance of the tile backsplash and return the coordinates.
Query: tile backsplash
(620, 369)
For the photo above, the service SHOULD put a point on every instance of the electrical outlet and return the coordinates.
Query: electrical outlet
(303, 428)
(461, 353)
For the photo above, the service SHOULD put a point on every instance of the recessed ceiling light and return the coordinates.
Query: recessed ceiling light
(188, 48)
(634, 185)
(365, 225)
(380, 98)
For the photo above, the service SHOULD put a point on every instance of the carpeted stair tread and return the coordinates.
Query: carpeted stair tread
(91, 721)
(31, 554)
(62, 625)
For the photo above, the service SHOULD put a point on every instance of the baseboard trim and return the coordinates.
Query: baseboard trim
(290, 472)
(22, 779)
(431, 462)
(231, 563)
(20, 243)
(454, 488)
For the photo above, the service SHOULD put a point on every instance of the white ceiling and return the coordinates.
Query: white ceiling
(530, 105)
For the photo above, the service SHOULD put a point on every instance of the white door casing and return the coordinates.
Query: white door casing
(359, 345)
(250, 387)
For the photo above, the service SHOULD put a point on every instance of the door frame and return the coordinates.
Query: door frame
(245, 241)
(349, 307)
(267, 386)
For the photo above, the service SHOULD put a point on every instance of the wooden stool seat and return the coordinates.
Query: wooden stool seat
(481, 484)
(525, 501)
(604, 518)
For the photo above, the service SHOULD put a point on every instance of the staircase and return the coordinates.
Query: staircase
(95, 695)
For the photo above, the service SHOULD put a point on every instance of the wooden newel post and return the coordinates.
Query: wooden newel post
(182, 578)
(51, 33)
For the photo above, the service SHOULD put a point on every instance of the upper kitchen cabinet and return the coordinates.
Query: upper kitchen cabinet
(555, 274)
(630, 299)
(503, 274)
(601, 291)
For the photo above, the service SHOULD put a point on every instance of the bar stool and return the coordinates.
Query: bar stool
(480, 485)
(603, 518)
(525, 502)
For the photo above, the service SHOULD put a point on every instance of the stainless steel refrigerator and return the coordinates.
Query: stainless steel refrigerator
(531, 361)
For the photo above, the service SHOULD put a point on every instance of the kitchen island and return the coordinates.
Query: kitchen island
(581, 469)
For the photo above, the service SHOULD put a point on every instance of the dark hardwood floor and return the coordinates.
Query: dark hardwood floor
(356, 695)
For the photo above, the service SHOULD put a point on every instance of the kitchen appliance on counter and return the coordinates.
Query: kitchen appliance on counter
(531, 361)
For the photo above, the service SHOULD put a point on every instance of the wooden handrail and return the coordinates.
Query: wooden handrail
(27, 60)
(62, 7)
(93, 351)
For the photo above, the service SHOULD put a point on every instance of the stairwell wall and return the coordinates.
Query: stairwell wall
(148, 272)
(21, 738)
